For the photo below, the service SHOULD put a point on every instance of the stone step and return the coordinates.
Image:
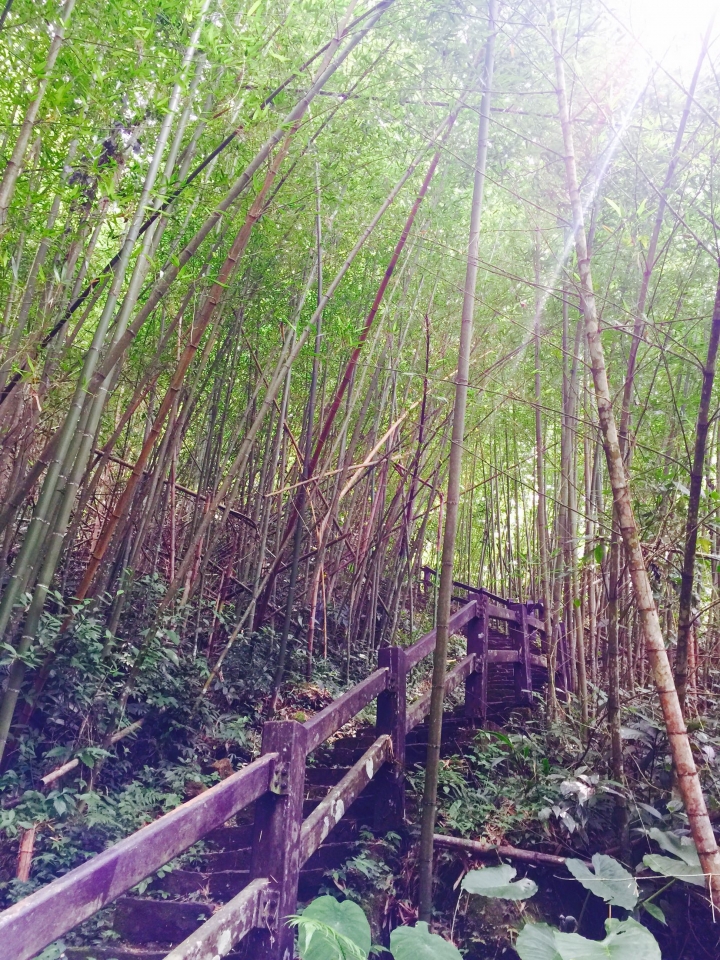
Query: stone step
(233, 838)
(324, 776)
(146, 922)
(128, 951)
(239, 859)
(143, 920)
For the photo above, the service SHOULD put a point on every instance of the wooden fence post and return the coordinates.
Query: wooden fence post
(391, 718)
(276, 837)
(522, 669)
(476, 682)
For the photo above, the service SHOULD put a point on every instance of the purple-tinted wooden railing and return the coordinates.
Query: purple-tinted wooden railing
(282, 842)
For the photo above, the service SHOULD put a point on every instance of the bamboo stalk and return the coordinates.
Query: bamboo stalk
(684, 763)
(453, 491)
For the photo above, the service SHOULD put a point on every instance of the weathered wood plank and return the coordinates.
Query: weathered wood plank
(502, 613)
(332, 809)
(476, 681)
(31, 924)
(391, 719)
(503, 656)
(425, 645)
(421, 707)
(337, 714)
(535, 623)
(255, 906)
(276, 841)
(522, 670)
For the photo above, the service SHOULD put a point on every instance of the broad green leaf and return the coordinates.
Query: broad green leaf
(417, 943)
(683, 847)
(686, 867)
(626, 940)
(611, 880)
(536, 941)
(671, 867)
(496, 882)
(346, 918)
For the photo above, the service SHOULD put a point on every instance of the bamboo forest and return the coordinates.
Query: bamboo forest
(359, 479)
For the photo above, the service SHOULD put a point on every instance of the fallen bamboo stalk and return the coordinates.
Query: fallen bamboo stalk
(25, 853)
(181, 489)
(75, 762)
(481, 849)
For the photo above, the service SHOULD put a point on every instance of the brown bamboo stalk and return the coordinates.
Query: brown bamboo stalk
(688, 779)
(692, 523)
(25, 854)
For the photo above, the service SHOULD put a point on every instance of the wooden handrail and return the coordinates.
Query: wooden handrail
(420, 708)
(502, 613)
(478, 590)
(328, 721)
(253, 907)
(31, 924)
(282, 840)
(425, 645)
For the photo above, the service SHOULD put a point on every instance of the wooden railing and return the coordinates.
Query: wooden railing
(282, 841)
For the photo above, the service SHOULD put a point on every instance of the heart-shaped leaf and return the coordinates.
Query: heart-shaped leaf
(682, 847)
(417, 943)
(686, 867)
(536, 941)
(496, 882)
(611, 880)
(326, 914)
(625, 940)
(671, 867)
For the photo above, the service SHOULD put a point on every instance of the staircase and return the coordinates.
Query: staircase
(272, 831)
(149, 926)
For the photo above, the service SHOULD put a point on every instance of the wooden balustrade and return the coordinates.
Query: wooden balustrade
(282, 842)
(30, 925)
